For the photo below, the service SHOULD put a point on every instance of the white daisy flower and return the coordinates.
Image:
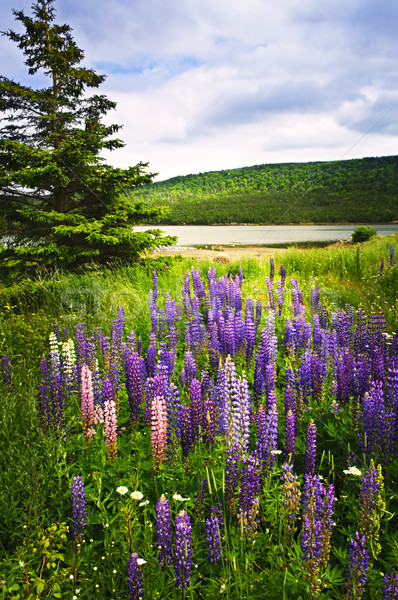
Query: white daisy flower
(137, 495)
(122, 490)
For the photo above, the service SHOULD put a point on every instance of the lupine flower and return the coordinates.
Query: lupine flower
(239, 436)
(312, 534)
(158, 430)
(163, 530)
(134, 577)
(110, 428)
(371, 507)
(79, 511)
(310, 455)
(248, 497)
(390, 587)
(134, 383)
(183, 550)
(357, 568)
(214, 527)
(290, 500)
(87, 403)
(290, 436)
(6, 370)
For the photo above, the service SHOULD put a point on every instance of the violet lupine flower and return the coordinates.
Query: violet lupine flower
(310, 454)
(270, 287)
(158, 430)
(134, 578)
(392, 261)
(189, 371)
(155, 284)
(174, 405)
(153, 309)
(239, 435)
(312, 534)
(248, 497)
(209, 416)
(390, 587)
(214, 527)
(271, 269)
(186, 431)
(195, 393)
(381, 268)
(79, 511)
(268, 446)
(163, 531)
(134, 368)
(110, 428)
(358, 567)
(6, 370)
(87, 403)
(226, 387)
(151, 359)
(183, 550)
(374, 419)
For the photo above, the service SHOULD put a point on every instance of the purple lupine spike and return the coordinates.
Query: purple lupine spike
(270, 287)
(209, 416)
(189, 371)
(268, 449)
(381, 268)
(155, 284)
(134, 578)
(226, 385)
(239, 435)
(174, 409)
(134, 384)
(377, 364)
(249, 309)
(79, 511)
(248, 497)
(374, 419)
(310, 454)
(390, 584)
(6, 370)
(392, 261)
(357, 567)
(283, 274)
(312, 534)
(280, 296)
(153, 311)
(57, 331)
(183, 550)
(151, 360)
(186, 431)
(229, 348)
(214, 528)
(163, 531)
(271, 269)
(196, 408)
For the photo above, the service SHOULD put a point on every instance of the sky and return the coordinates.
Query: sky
(205, 85)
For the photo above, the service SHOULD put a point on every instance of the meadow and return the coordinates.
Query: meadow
(211, 431)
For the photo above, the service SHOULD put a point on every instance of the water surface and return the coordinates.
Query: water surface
(260, 235)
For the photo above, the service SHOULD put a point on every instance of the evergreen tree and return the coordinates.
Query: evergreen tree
(60, 203)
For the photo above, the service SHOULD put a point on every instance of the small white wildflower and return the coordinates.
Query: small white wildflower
(222, 588)
(145, 503)
(177, 497)
(276, 451)
(71, 577)
(114, 570)
(137, 495)
(21, 564)
(352, 471)
(122, 490)
(95, 568)
(141, 561)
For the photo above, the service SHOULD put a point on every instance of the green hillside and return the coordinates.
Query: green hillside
(360, 190)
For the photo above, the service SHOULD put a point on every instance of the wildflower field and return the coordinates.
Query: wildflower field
(207, 431)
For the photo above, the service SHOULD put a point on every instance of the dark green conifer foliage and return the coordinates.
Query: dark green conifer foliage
(60, 203)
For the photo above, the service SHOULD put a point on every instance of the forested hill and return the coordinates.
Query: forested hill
(361, 190)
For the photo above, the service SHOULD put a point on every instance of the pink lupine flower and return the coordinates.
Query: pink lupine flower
(87, 404)
(110, 428)
(158, 430)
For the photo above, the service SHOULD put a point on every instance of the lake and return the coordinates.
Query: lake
(259, 235)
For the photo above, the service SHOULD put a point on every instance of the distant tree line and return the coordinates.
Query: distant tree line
(364, 190)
